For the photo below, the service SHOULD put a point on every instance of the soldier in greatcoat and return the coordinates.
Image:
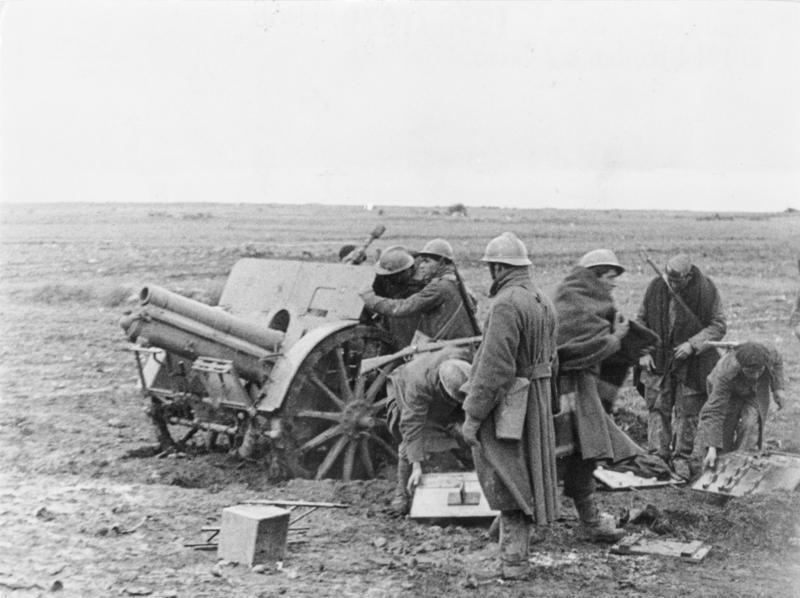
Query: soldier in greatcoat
(597, 346)
(508, 413)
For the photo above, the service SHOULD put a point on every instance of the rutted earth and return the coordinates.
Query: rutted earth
(87, 508)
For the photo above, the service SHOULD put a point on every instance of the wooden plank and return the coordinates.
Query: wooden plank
(616, 480)
(693, 552)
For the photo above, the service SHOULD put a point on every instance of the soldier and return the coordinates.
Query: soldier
(508, 413)
(428, 396)
(734, 416)
(394, 279)
(445, 308)
(592, 333)
(686, 312)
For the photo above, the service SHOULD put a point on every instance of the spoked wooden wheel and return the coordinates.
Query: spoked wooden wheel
(333, 413)
(177, 422)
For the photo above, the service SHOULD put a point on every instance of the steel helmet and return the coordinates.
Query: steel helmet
(438, 248)
(506, 249)
(601, 257)
(453, 375)
(393, 260)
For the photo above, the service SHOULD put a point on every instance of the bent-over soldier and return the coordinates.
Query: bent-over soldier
(736, 412)
(427, 395)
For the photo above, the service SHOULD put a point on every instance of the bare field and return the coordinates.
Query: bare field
(87, 510)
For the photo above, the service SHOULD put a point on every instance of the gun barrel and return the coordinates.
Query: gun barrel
(191, 339)
(255, 333)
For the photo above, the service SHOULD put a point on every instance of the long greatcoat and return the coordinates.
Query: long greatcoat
(519, 340)
(585, 313)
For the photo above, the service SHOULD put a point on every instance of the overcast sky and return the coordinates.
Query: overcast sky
(679, 105)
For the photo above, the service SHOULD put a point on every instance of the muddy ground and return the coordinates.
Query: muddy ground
(87, 508)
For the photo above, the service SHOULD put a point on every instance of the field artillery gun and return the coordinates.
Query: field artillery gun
(280, 366)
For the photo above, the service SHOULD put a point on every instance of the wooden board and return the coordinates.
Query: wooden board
(436, 494)
(617, 480)
(694, 552)
(739, 473)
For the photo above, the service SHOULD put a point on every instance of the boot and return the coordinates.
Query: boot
(682, 468)
(401, 502)
(514, 545)
(594, 526)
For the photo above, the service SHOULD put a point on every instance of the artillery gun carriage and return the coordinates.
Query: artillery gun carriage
(277, 367)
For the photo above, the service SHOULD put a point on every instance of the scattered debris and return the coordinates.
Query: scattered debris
(138, 591)
(646, 515)
(44, 514)
(547, 560)
(14, 583)
(121, 531)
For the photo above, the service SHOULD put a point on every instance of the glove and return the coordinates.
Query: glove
(777, 396)
(621, 326)
(646, 363)
(414, 478)
(683, 350)
(368, 296)
(710, 461)
(470, 431)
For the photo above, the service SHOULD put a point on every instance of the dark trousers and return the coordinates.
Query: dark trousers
(578, 479)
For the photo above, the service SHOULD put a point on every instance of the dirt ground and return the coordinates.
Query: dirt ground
(87, 508)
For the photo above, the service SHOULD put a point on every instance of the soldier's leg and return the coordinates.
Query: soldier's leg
(659, 417)
(748, 430)
(579, 485)
(688, 404)
(401, 501)
(514, 545)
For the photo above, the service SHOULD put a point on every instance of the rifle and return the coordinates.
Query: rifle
(359, 252)
(373, 363)
(678, 299)
(462, 290)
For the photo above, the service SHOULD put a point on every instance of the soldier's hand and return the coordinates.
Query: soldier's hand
(646, 363)
(777, 396)
(368, 296)
(683, 350)
(415, 477)
(621, 326)
(710, 460)
(470, 431)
